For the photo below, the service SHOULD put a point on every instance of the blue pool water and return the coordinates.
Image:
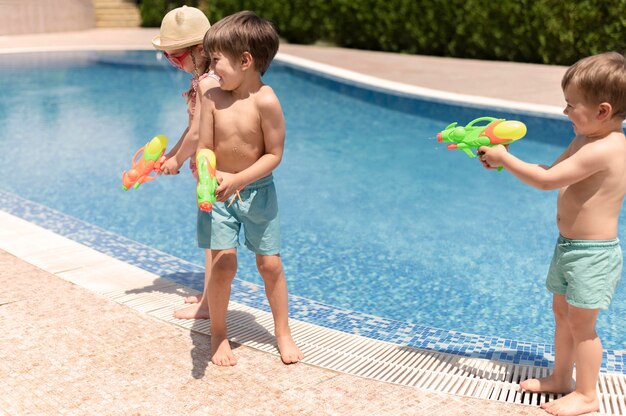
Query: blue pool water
(376, 215)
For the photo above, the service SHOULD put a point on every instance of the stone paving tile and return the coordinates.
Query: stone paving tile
(67, 351)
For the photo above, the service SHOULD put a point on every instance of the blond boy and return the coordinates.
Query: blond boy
(587, 262)
(243, 123)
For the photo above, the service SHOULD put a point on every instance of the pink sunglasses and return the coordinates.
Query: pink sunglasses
(177, 60)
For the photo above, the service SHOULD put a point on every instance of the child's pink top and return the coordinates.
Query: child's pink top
(193, 91)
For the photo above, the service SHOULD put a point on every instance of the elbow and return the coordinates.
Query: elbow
(278, 157)
(546, 185)
(543, 181)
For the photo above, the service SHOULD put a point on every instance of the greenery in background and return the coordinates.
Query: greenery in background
(544, 31)
(152, 11)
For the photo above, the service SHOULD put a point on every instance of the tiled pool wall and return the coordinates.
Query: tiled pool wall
(189, 274)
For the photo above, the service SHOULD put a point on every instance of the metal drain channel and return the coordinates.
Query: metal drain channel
(323, 347)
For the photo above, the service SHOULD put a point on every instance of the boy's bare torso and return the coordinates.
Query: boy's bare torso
(237, 135)
(589, 209)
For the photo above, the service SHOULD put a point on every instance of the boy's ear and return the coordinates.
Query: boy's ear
(246, 60)
(605, 111)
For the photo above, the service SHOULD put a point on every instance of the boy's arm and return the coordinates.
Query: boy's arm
(205, 118)
(566, 170)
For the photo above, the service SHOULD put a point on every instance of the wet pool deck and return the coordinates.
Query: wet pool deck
(66, 350)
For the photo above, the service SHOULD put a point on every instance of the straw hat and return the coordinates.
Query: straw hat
(181, 27)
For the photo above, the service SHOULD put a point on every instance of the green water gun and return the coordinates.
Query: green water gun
(496, 131)
(207, 180)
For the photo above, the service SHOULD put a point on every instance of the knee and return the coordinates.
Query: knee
(224, 267)
(582, 329)
(270, 267)
(560, 315)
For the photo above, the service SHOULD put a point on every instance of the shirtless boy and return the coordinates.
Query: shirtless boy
(242, 122)
(587, 262)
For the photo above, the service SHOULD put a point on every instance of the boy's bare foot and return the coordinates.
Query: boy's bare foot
(289, 351)
(572, 405)
(221, 354)
(195, 311)
(193, 299)
(546, 385)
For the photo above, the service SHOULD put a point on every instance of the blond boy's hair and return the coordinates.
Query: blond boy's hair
(244, 32)
(600, 78)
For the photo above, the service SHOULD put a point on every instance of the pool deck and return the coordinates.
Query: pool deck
(67, 350)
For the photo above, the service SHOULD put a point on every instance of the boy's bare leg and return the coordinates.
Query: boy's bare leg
(560, 381)
(222, 275)
(200, 308)
(588, 356)
(271, 270)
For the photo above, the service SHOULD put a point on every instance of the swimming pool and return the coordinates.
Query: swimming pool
(376, 215)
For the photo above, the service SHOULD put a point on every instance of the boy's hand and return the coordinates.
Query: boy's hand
(170, 167)
(491, 157)
(228, 185)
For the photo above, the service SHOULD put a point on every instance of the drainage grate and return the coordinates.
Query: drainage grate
(368, 358)
(323, 347)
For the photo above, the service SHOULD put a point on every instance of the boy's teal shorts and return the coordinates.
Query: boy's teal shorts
(585, 271)
(258, 213)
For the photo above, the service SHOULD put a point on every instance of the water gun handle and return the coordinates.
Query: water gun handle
(499, 168)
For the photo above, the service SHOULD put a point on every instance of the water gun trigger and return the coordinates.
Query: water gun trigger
(159, 164)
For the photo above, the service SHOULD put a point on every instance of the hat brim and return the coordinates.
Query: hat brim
(165, 45)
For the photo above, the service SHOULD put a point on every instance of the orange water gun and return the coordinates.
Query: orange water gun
(148, 159)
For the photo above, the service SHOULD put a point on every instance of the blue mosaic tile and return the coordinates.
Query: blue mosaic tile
(249, 294)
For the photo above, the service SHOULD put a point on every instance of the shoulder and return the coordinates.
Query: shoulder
(610, 144)
(602, 152)
(206, 84)
(614, 145)
(266, 99)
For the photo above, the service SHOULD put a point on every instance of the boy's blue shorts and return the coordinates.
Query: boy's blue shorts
(585, 271)
(258, 213)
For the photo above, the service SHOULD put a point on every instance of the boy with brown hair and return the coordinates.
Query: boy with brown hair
(587, 262)
(242, 122)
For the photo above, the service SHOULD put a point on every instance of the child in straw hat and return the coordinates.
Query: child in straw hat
(180, 38)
